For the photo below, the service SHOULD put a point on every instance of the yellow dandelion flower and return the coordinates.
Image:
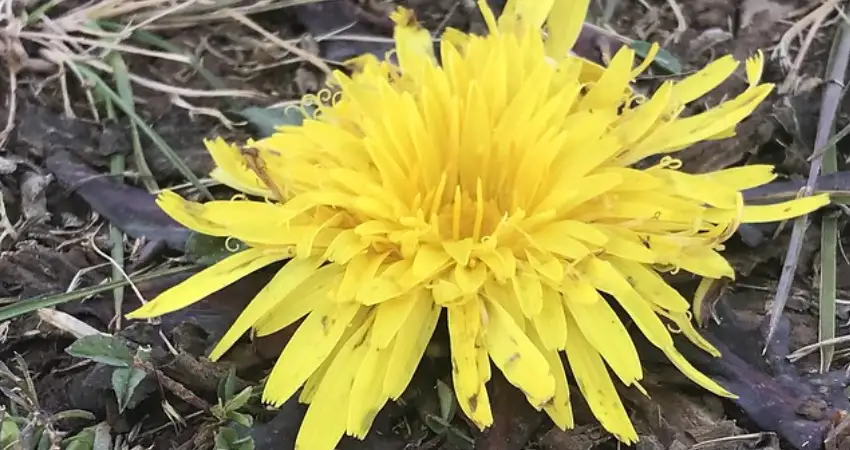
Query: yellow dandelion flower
(495, 186)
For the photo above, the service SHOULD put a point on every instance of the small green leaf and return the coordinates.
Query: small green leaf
(84, 440)
(205, 250)
(224, 437)
(228, 439)
(9, 433)
(447, 401)
(79, 414)
(240, 399)
(44, 441)
(458, 439)
(266, 120)
(436, 424)
(102, 348)
(102, 436)
(663, 60)
(227, 385)
(125, 380)
(241, 418)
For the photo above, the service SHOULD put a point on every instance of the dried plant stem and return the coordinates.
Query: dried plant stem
(837, 69)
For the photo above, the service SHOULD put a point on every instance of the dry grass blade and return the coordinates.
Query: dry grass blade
(49, 37)
(66, 322)
(167, 88)
(836, 72)
(802, 352)
(149, 38)
(165, 14)
(814, 19)
(294, 49)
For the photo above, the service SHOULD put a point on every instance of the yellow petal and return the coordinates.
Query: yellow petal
(611, 88)
(705, 79)
(308, 392)
(596, 386)
(518, 359)
(529, 292)
(698, 127)
(237, 218)
(309, 295)
(695, 375)
(504, 295)
(501, 262)
(705, 286)
(683, 321)
(743, 177)
(640, 120)
(650, 285)
(700, 188)
(705, 262)
(489, 19)
(785, 210)
(231, 169)
(367, 394)
(207, 281)
(390, 316)
(552, 239)
(454, 37)
(287, 279)
(581, 231)
(484, 373)
(470, 279)
(549, 268)
(360, 270)
(464, 326)
(602, 329)
(564, 25)
(607, 279)
(344, 246)
(387, 285)
(755, 66)
(559, 409)
(563, 200)
(520, 15)
(647, 60)
(410, 344)
(550, 323)
(327, 417)
(459, 250)
(626, 244)
(308, 348)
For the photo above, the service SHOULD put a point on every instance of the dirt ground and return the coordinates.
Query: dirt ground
(73, 162)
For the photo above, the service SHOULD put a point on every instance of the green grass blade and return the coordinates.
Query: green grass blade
(34, 304)
(829, 237)
(163, 146)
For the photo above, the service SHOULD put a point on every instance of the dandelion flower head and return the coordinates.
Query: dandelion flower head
(493, 181)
